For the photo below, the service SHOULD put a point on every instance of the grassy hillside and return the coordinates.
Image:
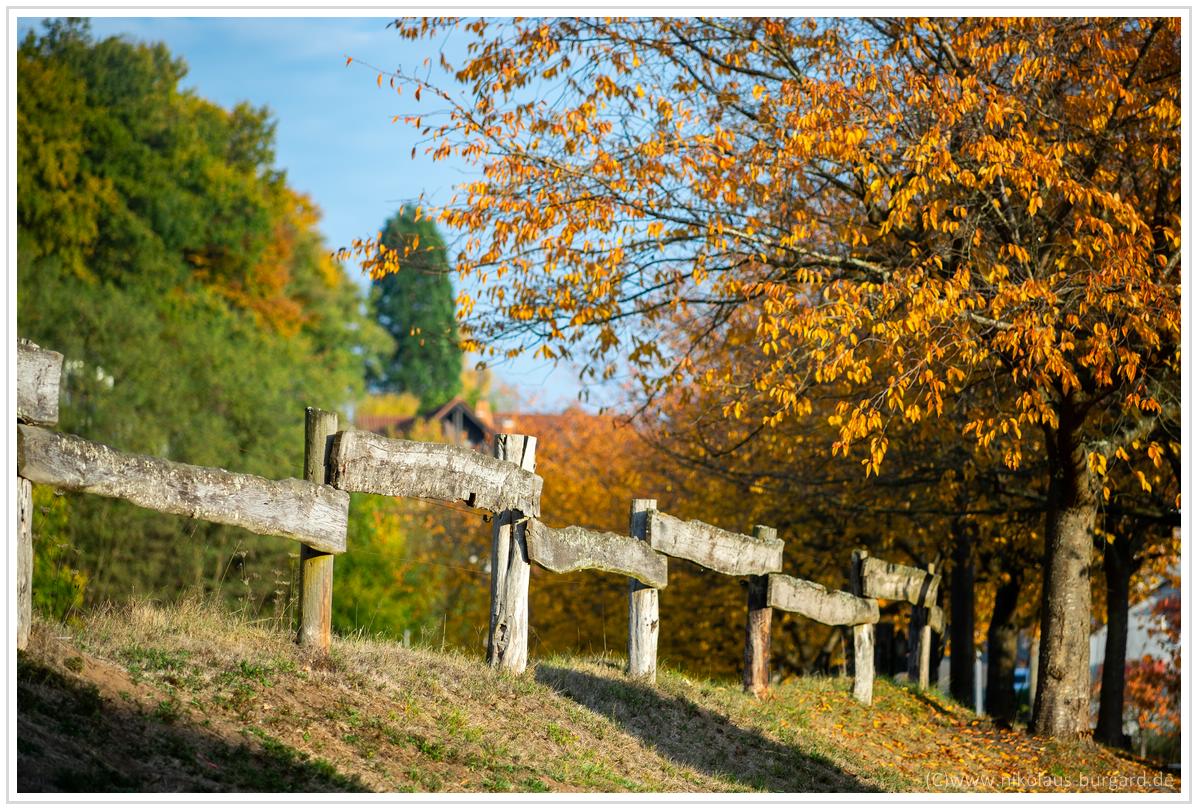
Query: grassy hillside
(185, 698)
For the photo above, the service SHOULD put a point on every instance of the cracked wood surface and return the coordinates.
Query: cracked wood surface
(814, 601)
(367, 462)
(720, 550)
(575, 548)
(507, 637)
(301, 510)
(39, 373)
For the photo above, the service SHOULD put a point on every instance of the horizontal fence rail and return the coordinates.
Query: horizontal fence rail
(301, 510)
(884, 580)
(717, 549)
(574, 549)
(813, 601)
(367, 462)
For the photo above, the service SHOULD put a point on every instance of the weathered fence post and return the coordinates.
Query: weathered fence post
(39, 376)
(24, 560)
(863, 638)
(316, 567)
(919, 654)
(757, 626)
(925, 639)
(642, 604)
(507, 639)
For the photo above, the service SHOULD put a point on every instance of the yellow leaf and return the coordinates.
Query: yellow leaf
(1144, 485)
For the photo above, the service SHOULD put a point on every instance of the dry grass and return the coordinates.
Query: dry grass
(189, 698)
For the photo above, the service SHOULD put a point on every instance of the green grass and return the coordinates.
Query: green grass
(191, 699)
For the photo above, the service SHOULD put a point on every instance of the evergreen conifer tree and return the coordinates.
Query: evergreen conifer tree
(416, 305)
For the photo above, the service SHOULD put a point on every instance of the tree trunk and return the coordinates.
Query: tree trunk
(1003, 640)
(884, 648)
(1063, 694)
(1033, 669)
(960, 631)
(1116, 562)
(937, 650)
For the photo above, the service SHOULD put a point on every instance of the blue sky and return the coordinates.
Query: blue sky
(334, 134)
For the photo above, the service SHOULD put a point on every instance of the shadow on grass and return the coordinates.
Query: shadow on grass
(922, 697)
(71, 739)
(1131, 756)
(687, 733)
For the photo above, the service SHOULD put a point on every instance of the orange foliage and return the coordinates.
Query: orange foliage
(267, 287)
(947, 199)
(1154, 685)
(972, 220)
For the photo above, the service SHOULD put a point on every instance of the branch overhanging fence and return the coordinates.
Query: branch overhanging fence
(315, 511)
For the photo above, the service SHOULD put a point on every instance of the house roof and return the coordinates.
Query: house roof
(400, 424)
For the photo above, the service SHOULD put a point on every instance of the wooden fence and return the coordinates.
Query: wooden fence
(315, 511)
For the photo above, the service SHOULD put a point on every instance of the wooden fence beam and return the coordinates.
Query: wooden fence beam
(24, 561)
(813, 601)
(863, 638)
(883, 580)
(574, 549)
(300, 510)
(39, 374)
(720, 550)
(758, 621)
(315, 621)
(366, 462)
(643, 616)
(507, 639)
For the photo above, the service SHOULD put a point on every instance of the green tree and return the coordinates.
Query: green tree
(416, 306)
(162, 253)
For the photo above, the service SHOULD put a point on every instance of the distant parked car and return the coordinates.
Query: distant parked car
(1021, 679)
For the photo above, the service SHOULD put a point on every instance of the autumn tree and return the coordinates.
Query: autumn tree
(1154, 684)
(935, 207)
(935, 500)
